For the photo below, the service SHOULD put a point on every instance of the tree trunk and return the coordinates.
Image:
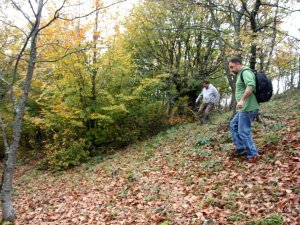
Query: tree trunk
(253, 23)
(292, 74)
(299, 73)
(278, 85)
(230, 78)
(237, 30)
(11, 153)
(273, 40)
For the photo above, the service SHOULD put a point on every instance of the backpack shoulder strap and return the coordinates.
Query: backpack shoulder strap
(242, 78)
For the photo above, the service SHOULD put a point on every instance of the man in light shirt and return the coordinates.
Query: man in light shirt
(210, 96)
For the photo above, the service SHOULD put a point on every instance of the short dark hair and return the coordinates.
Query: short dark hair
(235, 60)
(206, 82)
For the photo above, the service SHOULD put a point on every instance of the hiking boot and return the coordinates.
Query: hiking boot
(253, 159)
(203, 121)
(238, 152)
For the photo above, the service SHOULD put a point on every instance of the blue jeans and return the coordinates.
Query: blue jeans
(240, 127)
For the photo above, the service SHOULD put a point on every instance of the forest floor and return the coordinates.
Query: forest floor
(185, 175)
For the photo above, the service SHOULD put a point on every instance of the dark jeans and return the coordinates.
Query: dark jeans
(240, 127)
(205, 110)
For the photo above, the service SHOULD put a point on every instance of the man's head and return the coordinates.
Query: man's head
(235, 65)
(206, 84)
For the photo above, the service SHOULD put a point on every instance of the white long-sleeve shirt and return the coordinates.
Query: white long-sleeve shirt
(210, 95)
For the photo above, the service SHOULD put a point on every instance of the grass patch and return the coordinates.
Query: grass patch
(274, 219)
(132, 175)
(147, 153)
(204, 141)
(296, 190)
(272, 138)
(238, 217)
(277, 126)
(213, 164)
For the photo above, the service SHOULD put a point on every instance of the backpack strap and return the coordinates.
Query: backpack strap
(243, 78)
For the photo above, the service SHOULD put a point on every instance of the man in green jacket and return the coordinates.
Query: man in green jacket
(247, 108)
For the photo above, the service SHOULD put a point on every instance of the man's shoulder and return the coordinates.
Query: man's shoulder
(247, 70)
(212, 86)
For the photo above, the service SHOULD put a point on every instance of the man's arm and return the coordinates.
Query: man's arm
(200, 96)
(217, 95)
(249, 80)
(246, 94)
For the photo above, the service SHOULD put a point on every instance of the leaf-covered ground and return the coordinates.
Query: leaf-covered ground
(185, 175)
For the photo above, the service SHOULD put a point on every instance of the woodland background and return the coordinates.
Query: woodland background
(91, 91)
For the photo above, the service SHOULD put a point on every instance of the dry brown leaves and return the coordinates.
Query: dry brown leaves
(174, 186)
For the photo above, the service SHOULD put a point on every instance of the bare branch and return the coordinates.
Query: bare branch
(46, 3)
(280, 7)
(88, 14)
(11, 57)
(244, 4)
(14, 26)
(64, 56)
(53, 44)
(56, 16)
(31, 35)
(16, 66)
(6, 82)
(32, 9)
(24, 14)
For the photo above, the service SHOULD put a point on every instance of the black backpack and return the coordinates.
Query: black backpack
(264, 87)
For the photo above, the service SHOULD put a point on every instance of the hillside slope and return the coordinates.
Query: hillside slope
(185, 175)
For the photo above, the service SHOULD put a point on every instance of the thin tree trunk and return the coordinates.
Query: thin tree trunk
(92, 122)
(299, 73)
(273, 39)
(95, 40)
(254, 35)
(292, 80)
(237, 30)
(278, 83)
(11, 153)
(230, 78)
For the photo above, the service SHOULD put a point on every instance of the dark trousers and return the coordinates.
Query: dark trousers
(205, 110)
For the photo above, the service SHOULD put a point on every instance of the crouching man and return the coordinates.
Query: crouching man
(210, 96)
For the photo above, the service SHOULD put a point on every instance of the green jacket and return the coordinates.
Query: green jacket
(249, 81)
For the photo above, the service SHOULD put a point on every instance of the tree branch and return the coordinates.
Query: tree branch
(56, 16)
(62, 57)
(17, 64)
(24, 14)
(14, 26)
(31, 6)
(88, 14)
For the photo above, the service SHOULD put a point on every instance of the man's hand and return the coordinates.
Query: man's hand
(246, 94)
(240, 104)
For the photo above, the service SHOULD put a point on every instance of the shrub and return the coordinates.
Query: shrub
(69, 154)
